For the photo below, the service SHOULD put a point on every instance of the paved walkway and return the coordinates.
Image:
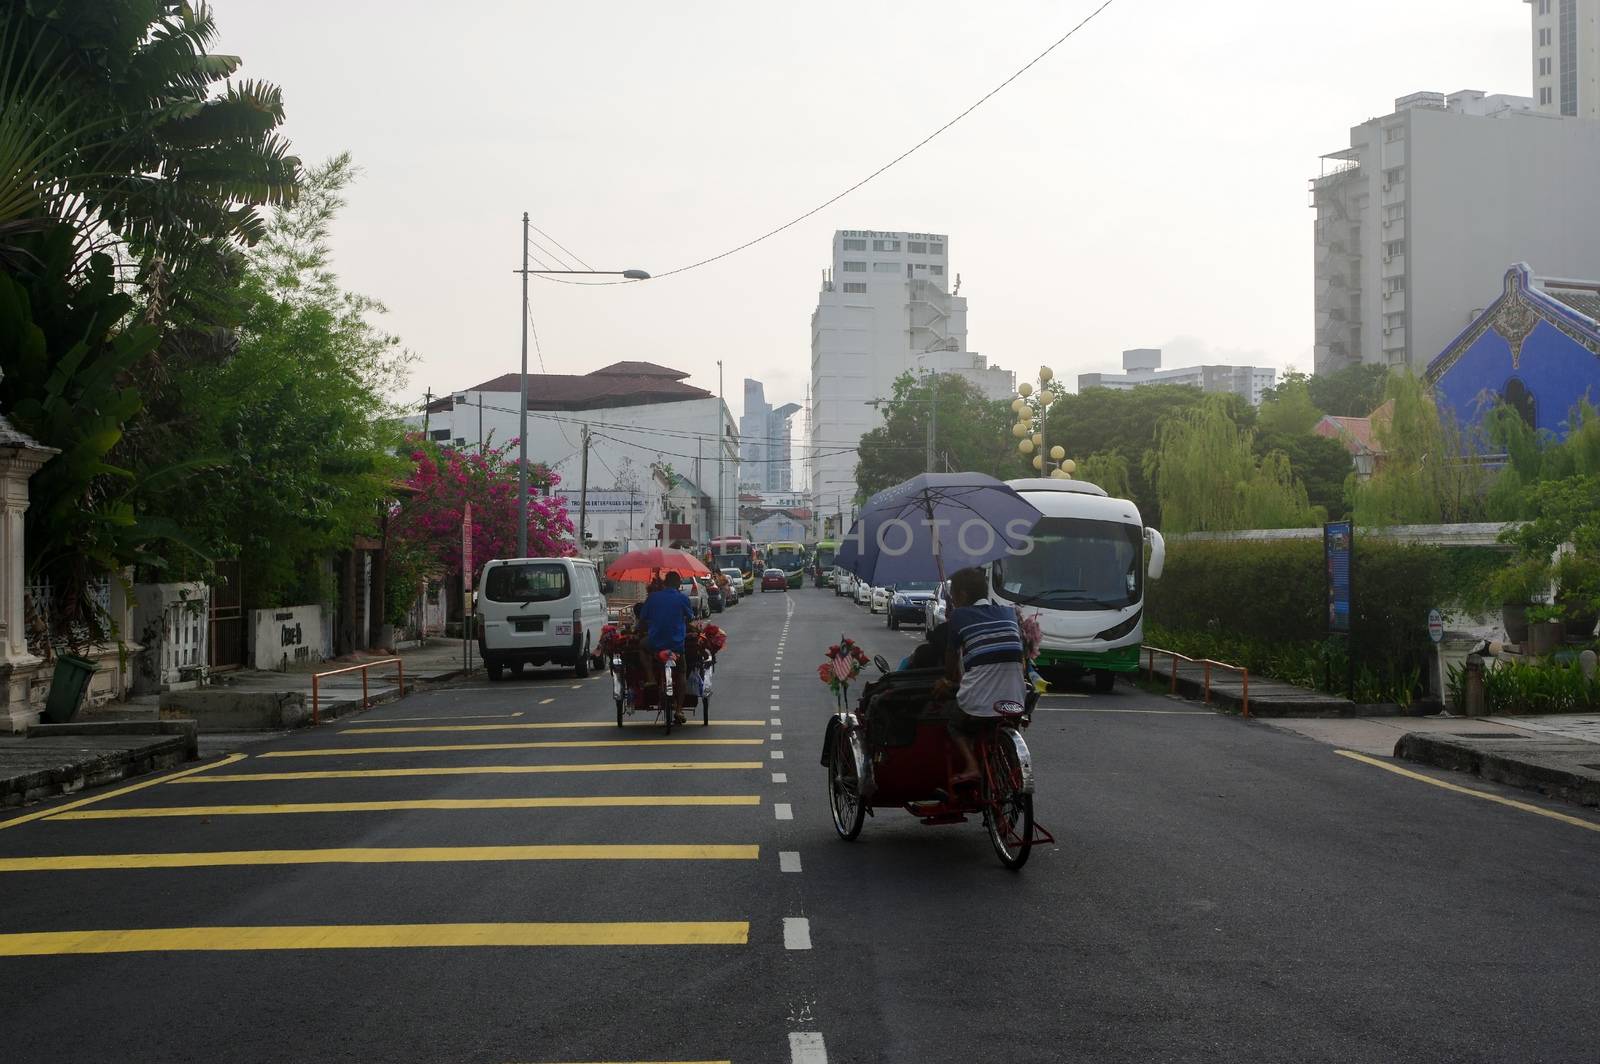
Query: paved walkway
(1268, 698)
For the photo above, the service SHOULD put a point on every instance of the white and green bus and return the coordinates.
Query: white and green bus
(1084, 577)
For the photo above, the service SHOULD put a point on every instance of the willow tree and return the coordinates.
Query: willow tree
(1208, 478)
(1429, 471)
(1109, 471)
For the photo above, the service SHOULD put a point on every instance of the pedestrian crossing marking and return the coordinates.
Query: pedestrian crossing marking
(374, 936)
(382, 855)
(577, 802)
(571, 744)
(473, 770)
(542, 725)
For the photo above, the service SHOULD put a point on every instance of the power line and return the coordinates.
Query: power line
(880, 170)
(562, 246)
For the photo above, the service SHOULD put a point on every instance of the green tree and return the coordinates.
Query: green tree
(1355, 391)
(972, 433)
(1107, 421)
(1321, 464)
(1208, 478)
(1429, 473)
(1287, 410)
(1108, 471)
(304, 441)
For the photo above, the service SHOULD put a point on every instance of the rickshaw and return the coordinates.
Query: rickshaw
(895, 751)
(636, 689)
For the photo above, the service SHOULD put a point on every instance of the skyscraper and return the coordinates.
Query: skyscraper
(1566, 57)
(764, 450)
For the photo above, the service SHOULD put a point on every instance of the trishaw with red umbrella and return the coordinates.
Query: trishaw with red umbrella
(894, 750)
(635, 688)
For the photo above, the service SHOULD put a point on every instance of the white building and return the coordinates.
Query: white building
(1418, 217)
(885, 308)
(1566, 57)
(1143, 366)
(764, 448)
(641, 418)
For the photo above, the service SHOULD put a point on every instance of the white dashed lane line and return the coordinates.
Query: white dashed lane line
(776, 722)
(788, 861)
(777, 755)
(780, 777)
(806, 1047)
(796, 932)
(782, 811)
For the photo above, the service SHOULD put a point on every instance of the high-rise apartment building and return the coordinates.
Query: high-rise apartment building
(764, 449)
(1419, 216)
(1566, 57)
(885, 309)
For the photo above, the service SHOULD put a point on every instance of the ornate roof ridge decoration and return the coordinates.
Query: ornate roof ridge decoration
(1513, 317)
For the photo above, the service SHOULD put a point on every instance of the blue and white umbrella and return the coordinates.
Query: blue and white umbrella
(935, 524)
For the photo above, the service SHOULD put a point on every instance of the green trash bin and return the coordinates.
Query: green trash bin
(71, 680)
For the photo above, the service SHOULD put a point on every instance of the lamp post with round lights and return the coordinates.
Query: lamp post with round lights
(1032, 406)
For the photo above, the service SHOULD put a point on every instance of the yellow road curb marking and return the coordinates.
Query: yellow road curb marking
(469, 770)
(374, 936)
(542, 725)
(566, 744)
(171, 777)
(380, 855)
(1485, 795)
(461, 716)
(585, 802)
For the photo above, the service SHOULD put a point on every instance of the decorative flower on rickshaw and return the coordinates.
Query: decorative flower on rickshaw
(841, 666)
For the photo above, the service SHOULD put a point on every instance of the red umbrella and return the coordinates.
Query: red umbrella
(645, 565)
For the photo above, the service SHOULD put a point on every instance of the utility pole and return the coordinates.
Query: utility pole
(722, 524)
(427, 402)
(522, 413)
(583, 494)
(933, 418)
(480, 423)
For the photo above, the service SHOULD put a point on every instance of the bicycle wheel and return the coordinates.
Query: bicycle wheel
(1009, 816)
(844, 785)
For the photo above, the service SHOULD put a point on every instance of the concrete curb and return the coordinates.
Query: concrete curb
(1268, 699)
(41, 767)
(184, 728)
(1560, 768)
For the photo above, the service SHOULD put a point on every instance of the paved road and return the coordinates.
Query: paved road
(1222, 891)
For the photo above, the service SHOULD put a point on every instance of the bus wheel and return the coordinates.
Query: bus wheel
(1104, 681)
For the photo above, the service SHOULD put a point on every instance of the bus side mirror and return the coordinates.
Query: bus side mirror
(1158, 554)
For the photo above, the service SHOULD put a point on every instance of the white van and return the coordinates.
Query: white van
(539, 611)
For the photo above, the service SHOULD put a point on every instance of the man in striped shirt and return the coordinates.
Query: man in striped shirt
(984, 659)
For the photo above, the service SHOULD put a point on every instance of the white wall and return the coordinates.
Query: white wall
(293, 634)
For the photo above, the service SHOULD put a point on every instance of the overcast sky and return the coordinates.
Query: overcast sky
(1144, 185)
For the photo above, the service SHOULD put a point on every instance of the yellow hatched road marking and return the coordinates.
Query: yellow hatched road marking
(579, 802)
(1525, 807)
(460, 716)
(171, 777)
(380, 855)
(542, 725)
(565, 744)
(374, 936)
(474, 770)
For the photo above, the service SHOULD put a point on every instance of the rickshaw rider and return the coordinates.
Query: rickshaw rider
(666, 613)
(983, 661)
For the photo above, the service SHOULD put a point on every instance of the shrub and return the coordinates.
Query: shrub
(1511, 687)
(1264, 605)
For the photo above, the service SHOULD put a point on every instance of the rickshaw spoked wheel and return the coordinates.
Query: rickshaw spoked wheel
(1010, 813)
(844, 786)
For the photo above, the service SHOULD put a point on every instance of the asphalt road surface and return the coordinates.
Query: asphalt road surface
(495, 873)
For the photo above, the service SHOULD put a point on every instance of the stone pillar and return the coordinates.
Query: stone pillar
(20, 457)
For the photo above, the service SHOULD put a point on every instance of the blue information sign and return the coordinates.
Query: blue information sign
(1336, 550)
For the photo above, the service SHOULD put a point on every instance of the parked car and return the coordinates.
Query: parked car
(730, 588)
(933, 609)
(844, 582)
(878, 602)
(774, 580)
(908, 602)
(736, 584)
(863, 593)
(539, 611)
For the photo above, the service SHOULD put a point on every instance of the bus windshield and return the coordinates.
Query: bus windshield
(824, 557)
(1077, 565)
(740, 562)
(786, 556)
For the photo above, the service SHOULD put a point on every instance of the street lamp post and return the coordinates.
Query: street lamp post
(522, 412)
(1031, 411)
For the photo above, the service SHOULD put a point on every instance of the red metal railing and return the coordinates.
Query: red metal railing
(316, 679)
(1175, 657)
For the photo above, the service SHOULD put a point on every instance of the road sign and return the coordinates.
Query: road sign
(1435, 626)
(466, 550)
(1336, 544)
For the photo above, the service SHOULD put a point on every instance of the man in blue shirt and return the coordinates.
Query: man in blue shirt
(984, 660)
(666, 613)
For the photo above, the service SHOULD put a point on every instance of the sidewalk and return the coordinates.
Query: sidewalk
(1268, 698)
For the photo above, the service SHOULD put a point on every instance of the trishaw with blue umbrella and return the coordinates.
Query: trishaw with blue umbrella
(895, 749)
